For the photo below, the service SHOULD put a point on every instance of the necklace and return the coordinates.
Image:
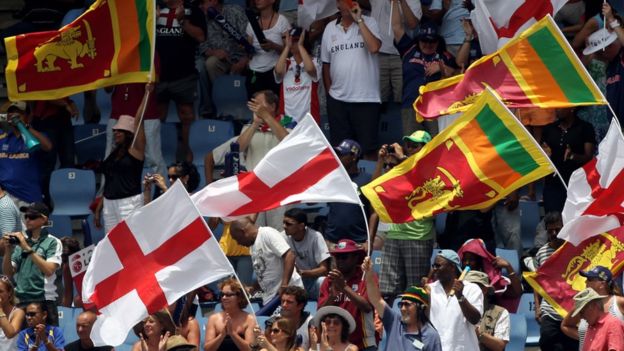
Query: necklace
(270, 21)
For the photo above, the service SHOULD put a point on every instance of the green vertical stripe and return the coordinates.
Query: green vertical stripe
(145, 50)
(560, 67)
(505, 142)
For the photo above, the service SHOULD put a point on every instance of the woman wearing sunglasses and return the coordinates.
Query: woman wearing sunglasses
(11, 317)
(233, 328)
(185, 171)
(40, 335)
(335, 324)
(281, 336)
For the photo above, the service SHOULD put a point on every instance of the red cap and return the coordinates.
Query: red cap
(346, 246)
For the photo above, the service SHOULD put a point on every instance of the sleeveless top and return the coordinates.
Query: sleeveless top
(5, 343)
(228, 343)
(123, 176)
(614, 310)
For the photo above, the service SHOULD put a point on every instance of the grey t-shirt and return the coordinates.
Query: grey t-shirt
(310, 251)
(400, 340)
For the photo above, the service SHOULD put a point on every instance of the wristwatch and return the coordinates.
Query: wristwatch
(360, 21)
(461, 299)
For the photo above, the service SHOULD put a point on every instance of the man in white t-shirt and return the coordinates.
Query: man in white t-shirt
(390, 64)
(456, 306)
(351, 76)
(312, 254)
(273, 260)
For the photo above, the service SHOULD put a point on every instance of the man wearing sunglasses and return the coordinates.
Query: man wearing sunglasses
(32, 258)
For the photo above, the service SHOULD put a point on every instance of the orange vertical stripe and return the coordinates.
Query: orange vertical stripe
(485, 155)
(128, 59)
(535, 73)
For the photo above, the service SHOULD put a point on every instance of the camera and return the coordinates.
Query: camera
(13, 240)
(296, 32)
(390, 149)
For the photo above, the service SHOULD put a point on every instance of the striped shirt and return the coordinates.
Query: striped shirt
(542, 255)
(9, 216)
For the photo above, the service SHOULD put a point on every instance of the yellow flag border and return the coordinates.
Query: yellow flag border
(531, 277)
(546, 22)
(489, 98)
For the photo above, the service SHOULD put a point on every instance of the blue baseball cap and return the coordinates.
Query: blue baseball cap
(451, 256)
(599, 272)
(349, 146)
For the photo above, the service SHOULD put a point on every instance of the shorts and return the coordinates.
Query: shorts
(536, 116)
(181, 91)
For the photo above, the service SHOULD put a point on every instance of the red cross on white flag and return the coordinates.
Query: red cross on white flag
(595, 202)
(301, 168)
(155, 256)
(497, 22)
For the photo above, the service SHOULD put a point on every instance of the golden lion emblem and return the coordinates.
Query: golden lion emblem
(68, 47)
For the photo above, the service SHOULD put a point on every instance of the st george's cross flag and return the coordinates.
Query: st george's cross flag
(497, 22)
(303, 167)
(148, 261)
(595, 202)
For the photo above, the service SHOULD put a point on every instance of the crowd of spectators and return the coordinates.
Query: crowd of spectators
(346, 70)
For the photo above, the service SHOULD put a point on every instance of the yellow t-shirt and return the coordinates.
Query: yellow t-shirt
(229, 246)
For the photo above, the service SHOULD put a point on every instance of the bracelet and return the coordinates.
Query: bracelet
(614, 24)
(360, 21)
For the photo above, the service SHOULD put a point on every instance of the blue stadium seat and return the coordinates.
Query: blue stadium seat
(311, 307)
(168, 142)
(262, 321)
(376, 258)
(529, 218)
(517, 333)
(92, 234)
(60, 226)
(72, 191)
(230, 97)
(67, 322)
(510, 256)
(203, 321)
(527, 309)
(131, 339)
(366, 166)
(90, 141)
(207, 134)
(103, 100)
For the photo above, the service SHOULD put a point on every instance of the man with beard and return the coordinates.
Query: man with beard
(409, 330)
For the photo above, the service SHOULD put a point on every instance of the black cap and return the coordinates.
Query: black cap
(36, 207)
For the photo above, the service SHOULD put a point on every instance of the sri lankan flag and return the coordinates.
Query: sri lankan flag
(111, 43)
(558, 279)
(483, 156)
(538, 68)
